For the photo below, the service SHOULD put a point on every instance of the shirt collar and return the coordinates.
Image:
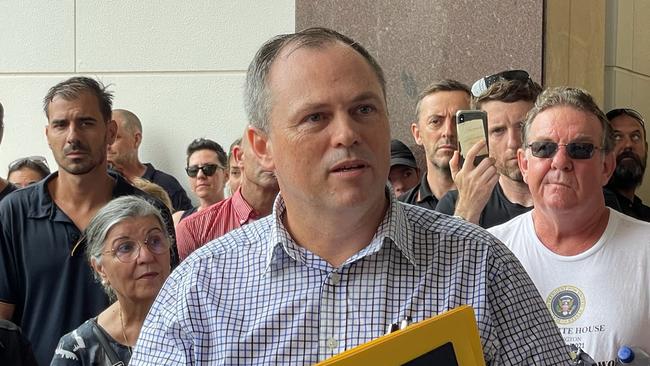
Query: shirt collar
(394, 228)
(425, 190)
(243, 210)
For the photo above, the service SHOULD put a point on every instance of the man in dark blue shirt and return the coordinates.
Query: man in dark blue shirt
(5, 187)
(46, 284)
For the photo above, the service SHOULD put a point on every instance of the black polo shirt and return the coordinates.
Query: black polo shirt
(427, 199)
(176, 193)
(52, 288)
(8, 189)
(622, 204)
(497, 210)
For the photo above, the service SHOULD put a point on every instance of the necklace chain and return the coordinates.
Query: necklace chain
(126, 340)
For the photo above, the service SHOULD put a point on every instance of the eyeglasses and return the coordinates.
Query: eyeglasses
(483, 84)
(36, 159)
(207, 169)
(627, 111)
(128, 250)
(575, 150)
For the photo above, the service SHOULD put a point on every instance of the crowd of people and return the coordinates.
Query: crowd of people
(315, 230)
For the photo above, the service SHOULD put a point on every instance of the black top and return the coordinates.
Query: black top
(498, 208)
(176, 193)
(427, 199)
(15, 349)
(186, 213)
(8, 189)
(51, 286)
(622, 204)
(83, 348)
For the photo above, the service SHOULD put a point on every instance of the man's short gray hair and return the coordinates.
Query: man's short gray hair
(71, 89)
(131, 122)
(115, 212)
(257, 96)
(571, 97)
(448, 85)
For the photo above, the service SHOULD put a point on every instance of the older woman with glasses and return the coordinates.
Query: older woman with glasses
(29, 170)
(129, 249)
(206, 169)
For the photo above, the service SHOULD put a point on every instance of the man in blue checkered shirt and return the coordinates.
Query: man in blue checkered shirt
(339, 258)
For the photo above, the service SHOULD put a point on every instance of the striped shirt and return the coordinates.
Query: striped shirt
(255, 297)
(213, 222)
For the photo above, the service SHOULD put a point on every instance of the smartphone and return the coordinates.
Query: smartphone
(471, 127)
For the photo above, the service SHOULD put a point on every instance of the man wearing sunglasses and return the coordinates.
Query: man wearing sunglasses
(251, 201)
(494, 191)
(5, 187)
(46, 284)
(631, 150)
(123, 157)
(589, 262)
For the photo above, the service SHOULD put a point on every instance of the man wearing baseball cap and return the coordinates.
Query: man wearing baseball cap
(404, 172)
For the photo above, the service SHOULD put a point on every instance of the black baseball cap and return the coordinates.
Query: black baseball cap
(400, 154)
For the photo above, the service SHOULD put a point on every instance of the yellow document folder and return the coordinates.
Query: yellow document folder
(450, 338)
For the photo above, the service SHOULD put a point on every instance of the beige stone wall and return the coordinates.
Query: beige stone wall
(627, 61)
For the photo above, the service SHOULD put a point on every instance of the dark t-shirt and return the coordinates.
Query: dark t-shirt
(497, 209)
(427, 199)
(43, 271)
(83, 348)
(8, 189)
(176, 193)
(622, 204)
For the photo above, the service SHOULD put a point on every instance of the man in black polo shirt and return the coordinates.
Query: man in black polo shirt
(5, 187)
(46, 284)
(631, 151)
(435, 130)
(494, 191)
(123, 157)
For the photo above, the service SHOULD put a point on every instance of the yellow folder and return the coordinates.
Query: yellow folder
(450, 338)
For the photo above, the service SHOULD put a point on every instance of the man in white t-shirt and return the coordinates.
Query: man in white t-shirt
(591, 264)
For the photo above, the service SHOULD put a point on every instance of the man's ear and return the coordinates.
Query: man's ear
(137, 140)
(415, 131)
(111, 131)
(238, 155)
(523, 164)
(261, 146)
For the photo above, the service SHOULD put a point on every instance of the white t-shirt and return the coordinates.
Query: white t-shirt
(600, 299)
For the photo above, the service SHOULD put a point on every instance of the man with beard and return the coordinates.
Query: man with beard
(46, 284)
(494, 191)
(631, 151)
(123, 157)
(435, 130)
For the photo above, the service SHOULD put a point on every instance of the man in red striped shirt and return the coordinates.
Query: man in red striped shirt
(253, 200)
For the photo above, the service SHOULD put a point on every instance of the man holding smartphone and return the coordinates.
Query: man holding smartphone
(435, 130)
(494, 191)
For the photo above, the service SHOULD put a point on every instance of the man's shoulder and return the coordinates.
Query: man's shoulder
(28, 198)
(410, 196)
(510, 226)
(161, 178)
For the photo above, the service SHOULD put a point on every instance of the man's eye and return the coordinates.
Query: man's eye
(498, 131)
(125, 247)
(636, 138)
(314, 117)
(617, 137)
(365, 109)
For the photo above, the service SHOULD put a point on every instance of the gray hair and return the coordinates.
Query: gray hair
(576, 98)
(115, 212)
(257, 96)
(131, 122)
(449, 85)
(71, 89)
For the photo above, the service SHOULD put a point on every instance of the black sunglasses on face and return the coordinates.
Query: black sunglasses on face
(575, 150)
(207, 169)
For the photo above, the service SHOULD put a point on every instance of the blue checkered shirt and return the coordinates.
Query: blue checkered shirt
(255, 297)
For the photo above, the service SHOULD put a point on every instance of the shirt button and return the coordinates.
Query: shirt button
(332, 343)
(335, 278)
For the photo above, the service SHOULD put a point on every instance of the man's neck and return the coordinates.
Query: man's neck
(80, 196)
(627, 193)
(259, 198)
(439, 180)
(516, 192)
(133, 169)
(334, 236)
(572, 233)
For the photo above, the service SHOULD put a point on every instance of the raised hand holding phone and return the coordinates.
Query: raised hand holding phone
(473, 182)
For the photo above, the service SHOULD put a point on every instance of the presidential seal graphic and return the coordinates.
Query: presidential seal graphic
(567, 303)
